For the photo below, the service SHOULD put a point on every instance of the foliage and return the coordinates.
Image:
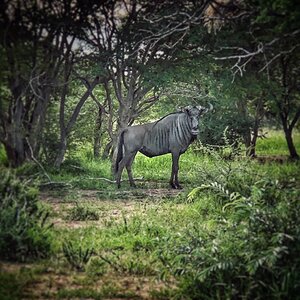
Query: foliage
(245, 244)
(77, 256)
(11, 285)
(3, 157)
(24, 232)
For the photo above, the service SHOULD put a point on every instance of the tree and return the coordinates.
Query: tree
(269, 45)
(129, 41)
(27, 78)
(287, 98)
(37, 43)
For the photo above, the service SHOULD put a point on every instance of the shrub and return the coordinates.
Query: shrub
(24, 232)
(247, 244)
(77, 256)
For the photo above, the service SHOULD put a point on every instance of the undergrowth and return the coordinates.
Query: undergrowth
(233, 234)
(24, 230)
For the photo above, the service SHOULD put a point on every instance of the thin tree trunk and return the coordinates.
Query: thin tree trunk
(107, 150)
(288, 132)
(247, 141)
(65, 130)
(259, 113)
(252, 149)
(61, 151)
(290, 143)
(97, 133)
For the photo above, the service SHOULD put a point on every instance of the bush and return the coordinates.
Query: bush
(24, 233)
(245, 243)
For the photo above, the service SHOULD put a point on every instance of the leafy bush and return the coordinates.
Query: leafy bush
(24, 233)
(246, 244)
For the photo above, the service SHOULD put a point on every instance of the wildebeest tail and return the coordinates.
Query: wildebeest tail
(119, 151)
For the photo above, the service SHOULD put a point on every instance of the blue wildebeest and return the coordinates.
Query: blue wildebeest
(171, 134)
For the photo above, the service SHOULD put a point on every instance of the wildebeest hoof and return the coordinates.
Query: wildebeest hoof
(175, 186)
(172, 186)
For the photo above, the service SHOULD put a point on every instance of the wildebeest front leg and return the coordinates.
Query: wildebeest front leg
(174, 183)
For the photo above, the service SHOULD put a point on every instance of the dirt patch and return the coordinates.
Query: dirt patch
(280, 159)
(111, 206)
(11, 267)
(47, 284)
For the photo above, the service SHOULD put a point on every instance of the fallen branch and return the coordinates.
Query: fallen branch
(114, 181)
(36, 161)
(55, 184)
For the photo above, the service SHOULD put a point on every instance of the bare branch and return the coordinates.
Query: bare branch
(278, 55)
(36, 161)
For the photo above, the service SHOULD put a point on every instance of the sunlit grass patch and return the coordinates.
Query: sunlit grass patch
(275, 143)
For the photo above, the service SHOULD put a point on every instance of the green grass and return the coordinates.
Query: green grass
(275, 143)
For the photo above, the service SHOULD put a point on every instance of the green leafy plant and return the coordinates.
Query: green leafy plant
(77, 256)
(24, 228)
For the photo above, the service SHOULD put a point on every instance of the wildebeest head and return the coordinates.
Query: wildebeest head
(194, 113)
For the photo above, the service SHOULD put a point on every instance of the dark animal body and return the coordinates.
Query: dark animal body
(171, 134)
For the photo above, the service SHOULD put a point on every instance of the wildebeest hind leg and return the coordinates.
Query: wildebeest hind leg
(174, 175)
(129, 171)
(122, 164)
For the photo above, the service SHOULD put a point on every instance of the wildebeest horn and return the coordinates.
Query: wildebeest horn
(187, 108)
(210, 107)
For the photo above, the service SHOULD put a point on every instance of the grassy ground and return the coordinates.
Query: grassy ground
(275, 143)
(156, 243)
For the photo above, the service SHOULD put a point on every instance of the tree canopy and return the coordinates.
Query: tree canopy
(127, 57)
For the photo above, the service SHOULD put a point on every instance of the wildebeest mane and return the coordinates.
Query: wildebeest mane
(172, 113)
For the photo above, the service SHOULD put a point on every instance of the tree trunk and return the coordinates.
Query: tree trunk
(65, 130)
(15, 149)
(252, 152)
(290, 143)
(97, 133)
(259, 113)
(15, 143)
(107, 150)
(61, 150)
(247, 141)
(288, 132)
